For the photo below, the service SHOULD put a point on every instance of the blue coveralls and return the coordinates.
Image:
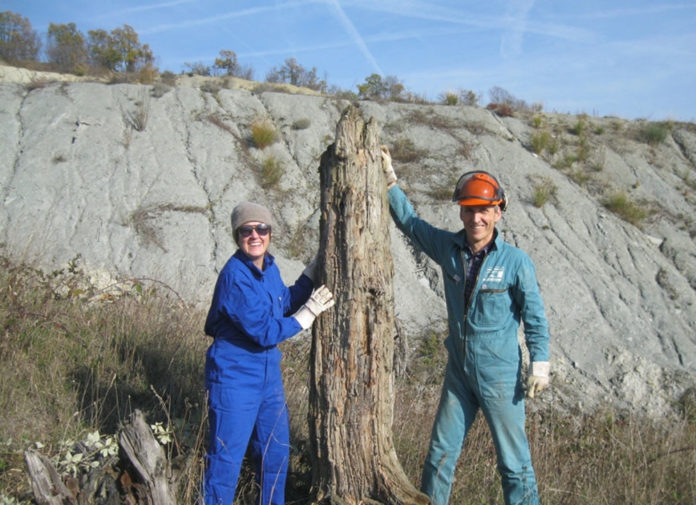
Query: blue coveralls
(249, 315)
(484, 357)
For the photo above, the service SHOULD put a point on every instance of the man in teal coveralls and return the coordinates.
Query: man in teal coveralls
(490, 287)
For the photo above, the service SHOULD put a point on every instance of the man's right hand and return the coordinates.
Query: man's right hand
(538, 379)
(387, 168)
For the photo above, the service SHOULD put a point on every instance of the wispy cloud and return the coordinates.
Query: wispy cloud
(653, 8)
(516, 16)
(163, 5)
(295, 50)
(141, 8)
(225, 16)
(354, 34)
(381, 37)
(429, 11)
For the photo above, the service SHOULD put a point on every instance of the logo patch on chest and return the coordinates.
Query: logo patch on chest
(494, 275)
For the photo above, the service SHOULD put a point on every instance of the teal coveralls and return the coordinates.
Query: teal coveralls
(484, 357)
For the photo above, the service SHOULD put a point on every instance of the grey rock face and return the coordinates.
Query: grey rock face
(138, 181)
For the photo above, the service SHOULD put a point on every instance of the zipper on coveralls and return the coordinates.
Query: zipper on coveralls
(467, 303)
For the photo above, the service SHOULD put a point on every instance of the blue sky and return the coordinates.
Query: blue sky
(627, 58)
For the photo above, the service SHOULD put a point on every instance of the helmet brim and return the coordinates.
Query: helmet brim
(478, 202)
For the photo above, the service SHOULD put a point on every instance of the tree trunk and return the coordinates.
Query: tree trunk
(351, 391)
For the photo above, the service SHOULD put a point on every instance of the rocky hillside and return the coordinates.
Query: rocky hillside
(138, 181)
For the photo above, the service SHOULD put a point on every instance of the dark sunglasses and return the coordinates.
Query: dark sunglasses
(261, 230)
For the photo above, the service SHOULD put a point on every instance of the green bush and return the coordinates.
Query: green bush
(271, 172)
(654, 133)
(301, 124)
(622, 206)
(449, 98)
(579, 128)
(544, 191)
(540, 140)
(583, 149)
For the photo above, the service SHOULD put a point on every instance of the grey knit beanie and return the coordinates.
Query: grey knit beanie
(248, 211)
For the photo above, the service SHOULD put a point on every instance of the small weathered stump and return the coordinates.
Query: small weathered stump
(46, 484)
(141, 476)
(148, 459)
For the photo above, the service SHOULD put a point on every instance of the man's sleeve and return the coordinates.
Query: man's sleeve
(536, 328)
(422, 233)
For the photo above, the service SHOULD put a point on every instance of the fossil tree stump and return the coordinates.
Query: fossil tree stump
(351, 391)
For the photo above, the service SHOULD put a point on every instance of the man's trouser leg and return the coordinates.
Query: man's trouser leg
(455, 415)
(506, 419)
(232, 412)
(271, 445)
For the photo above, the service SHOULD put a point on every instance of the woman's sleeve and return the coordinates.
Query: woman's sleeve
(298, 294)
(249, 310)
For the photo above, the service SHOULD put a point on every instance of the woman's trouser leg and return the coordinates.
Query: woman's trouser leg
(271, 445)
(231, 414)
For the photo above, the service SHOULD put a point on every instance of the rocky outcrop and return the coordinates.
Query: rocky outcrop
(138, 181)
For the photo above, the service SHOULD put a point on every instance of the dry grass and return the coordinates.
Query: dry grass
(137, 118)
(77, 358)
(263, 134)
(404, 150)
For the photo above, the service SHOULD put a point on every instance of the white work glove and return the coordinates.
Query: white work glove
(320, 300)
(538, 379)
(311, 270)
(387, 168)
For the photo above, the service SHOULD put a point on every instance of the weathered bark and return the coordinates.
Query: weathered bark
(46, 484)
(352, 393)
(148, 459)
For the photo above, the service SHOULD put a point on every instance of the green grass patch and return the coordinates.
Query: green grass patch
(301, 123)
(540, 141)
(272, 171)
(544, 191)
(620, 204)
(654, 133)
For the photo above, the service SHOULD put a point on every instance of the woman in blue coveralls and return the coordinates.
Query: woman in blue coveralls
(251, 312)
(490, 286)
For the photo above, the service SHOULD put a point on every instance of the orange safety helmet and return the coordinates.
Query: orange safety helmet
(479, 188)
